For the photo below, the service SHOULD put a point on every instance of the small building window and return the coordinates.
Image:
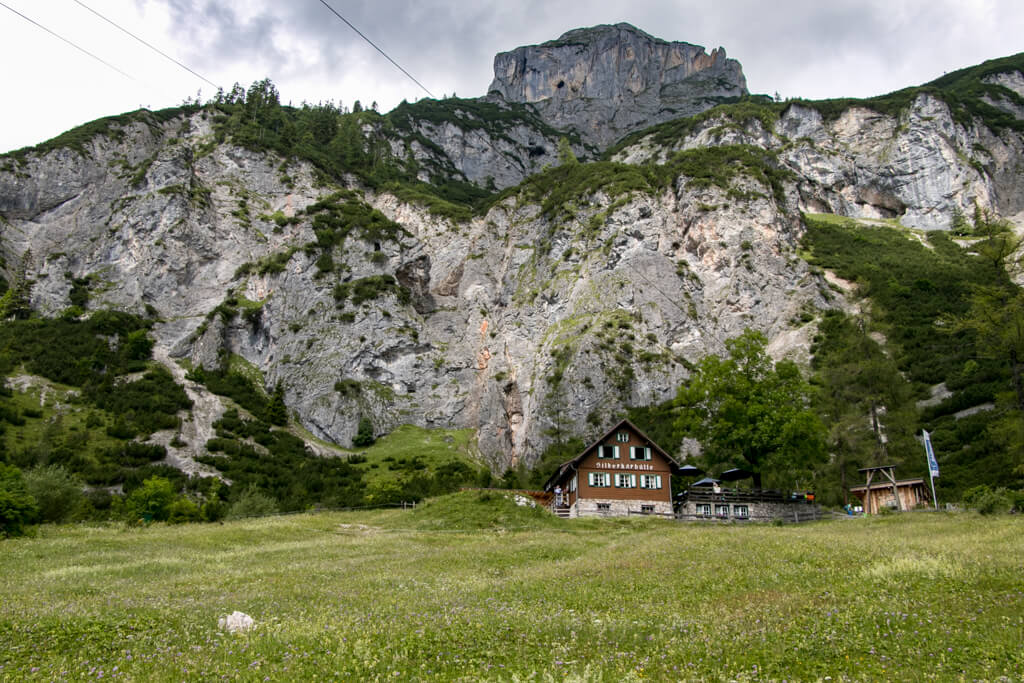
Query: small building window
(722, 511)
(599, 479)
(650, 481)
(608, 452)
(703, 509)
(625, 481)
(740, 512)
(639, 453)
(647, 509)
(604, 507)
(622, 437)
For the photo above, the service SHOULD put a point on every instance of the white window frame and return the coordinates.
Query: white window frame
(645, 453)
(599, 480)
(741, 511)
(613, 456)
(622, 437)
(650, 481)
(625, 481)
(722, 510)
(703, 509)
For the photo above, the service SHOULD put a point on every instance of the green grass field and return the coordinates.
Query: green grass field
(464, 588)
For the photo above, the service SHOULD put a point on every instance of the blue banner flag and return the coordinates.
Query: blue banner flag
(933, 465)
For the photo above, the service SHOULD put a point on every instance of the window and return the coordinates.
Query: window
(722, 511)
(647, 509)
(599, 479)
(622, 437)
(639, 453)
(740, 512)
(704, 510)
(608, 452)
(604, 507)
(650, 481)
(625, 481)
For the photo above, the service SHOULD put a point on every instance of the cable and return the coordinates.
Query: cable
(154, 49)
(77, 47)
(397, 65)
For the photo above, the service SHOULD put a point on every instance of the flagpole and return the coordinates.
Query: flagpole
(933, 465)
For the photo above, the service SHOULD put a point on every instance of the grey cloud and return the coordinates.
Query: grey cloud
(859, 47)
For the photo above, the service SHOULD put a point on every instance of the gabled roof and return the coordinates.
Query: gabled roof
(574, 463)
(885, 484)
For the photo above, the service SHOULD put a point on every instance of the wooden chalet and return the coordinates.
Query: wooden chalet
(620, 474)
(890, 492)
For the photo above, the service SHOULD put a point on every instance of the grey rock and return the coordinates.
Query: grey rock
(607, 81)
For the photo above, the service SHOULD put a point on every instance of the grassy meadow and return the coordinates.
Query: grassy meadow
(472, 587)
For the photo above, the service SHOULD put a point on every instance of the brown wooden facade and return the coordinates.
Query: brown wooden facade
(913, 493)
(622, 473)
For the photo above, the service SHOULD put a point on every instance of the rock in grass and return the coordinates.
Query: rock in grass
(236, 622)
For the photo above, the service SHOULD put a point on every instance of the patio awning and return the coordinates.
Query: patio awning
(736, 474)
(689, 471)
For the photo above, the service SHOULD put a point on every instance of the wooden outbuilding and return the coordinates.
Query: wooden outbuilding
(888, 492)
(622, 473)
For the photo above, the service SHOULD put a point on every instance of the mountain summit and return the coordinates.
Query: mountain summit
(607, 81)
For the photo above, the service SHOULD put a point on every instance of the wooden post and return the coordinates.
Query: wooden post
(890, 473)
(867, 493)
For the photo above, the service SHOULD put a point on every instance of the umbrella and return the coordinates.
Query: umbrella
(736, 474)
(706, 481)
(689, 471)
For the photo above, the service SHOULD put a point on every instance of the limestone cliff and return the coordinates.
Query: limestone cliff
(606, 81)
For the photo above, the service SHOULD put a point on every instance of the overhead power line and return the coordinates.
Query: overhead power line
(77, 47)
(151, 47)
(397, 65)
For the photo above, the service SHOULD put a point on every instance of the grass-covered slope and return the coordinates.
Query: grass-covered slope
(347, 596)
(908, 282)
(79, 393)
(485, 509)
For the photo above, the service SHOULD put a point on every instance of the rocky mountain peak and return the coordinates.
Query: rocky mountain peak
(609, 80)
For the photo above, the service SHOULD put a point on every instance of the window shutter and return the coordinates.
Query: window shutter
(632, 481)
(616, 455)
(647, 453)
(657, 481)
(590, 478)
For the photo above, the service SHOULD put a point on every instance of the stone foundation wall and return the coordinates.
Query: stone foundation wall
(787, 512)
(588, 507)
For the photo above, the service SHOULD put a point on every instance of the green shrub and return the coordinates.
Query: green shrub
(986, 500)
(151, 501)
(183, 510)
(213, 510)
(58, 494)
(364, 436)
(17, 506)
(252, 503)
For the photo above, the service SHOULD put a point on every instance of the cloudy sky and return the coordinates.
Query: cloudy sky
(799, 48)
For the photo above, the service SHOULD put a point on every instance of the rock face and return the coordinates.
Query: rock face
(919, 168)
(528, 322)
(517, 324)
(607, 81)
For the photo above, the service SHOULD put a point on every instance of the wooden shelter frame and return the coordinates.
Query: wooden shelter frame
(887, 471)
